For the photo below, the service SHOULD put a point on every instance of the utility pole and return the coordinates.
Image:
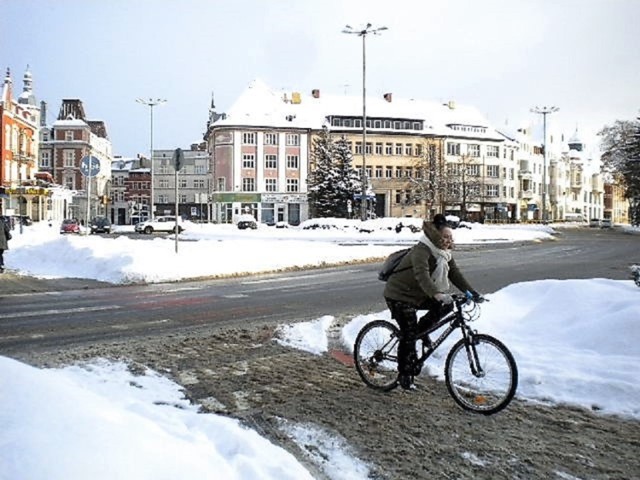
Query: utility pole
(544, 111)
(363, 33)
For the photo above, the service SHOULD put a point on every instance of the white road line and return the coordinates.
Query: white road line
(58, 311)
(296, 277)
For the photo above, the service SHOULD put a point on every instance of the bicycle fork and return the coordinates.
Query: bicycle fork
(472, 354)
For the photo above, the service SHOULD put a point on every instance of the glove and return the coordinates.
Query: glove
(443, 298)
(477, 297)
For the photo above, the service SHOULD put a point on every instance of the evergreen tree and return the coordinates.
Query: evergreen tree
(347, 179)
(621, 158)
(332, 180)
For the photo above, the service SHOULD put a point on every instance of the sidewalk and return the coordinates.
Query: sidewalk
(11, 284)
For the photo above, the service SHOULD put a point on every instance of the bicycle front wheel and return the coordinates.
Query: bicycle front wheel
(375, 353)
(481, 376)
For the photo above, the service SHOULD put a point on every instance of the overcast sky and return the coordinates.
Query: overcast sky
(502, 56)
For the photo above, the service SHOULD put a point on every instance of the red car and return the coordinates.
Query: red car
(70, 225)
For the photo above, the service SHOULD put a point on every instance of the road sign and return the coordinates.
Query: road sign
(178, 159)
(90, 166)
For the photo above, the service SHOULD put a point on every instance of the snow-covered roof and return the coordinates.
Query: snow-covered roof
(70, 123)
(261, 106)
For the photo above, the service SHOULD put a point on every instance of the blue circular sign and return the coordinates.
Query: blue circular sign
(90, 166)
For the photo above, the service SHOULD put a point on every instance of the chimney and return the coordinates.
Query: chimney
(388, 97)
(315, 93)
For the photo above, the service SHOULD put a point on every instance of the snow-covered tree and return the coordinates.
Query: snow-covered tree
(332, 181)
(621, 158)
(463, 183)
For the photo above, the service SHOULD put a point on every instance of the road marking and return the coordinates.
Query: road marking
(127, 326)
(235, 295)
(297, 277)
(57, 311)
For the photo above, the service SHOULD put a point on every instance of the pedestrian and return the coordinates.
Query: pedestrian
(421, 282)
(5, 236)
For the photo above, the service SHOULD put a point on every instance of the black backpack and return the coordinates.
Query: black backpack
(391, 263)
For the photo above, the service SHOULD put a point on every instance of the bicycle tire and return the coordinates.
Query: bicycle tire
(489, 392)
(375, 354)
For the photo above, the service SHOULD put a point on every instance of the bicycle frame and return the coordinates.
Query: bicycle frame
(467, 334)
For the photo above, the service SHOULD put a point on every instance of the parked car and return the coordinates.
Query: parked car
(70, 225)
(24, 219)
(606, 223)
(247, 224)
(166, 223)
(245, 221)
(100, 225)
(594, 222)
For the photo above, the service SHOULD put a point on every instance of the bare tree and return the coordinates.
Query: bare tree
(428, 183)
(463, 183)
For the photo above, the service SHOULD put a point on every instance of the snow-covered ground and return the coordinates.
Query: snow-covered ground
(575, 341)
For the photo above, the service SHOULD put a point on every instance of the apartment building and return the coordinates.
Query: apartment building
(63, 146)
(260, 154)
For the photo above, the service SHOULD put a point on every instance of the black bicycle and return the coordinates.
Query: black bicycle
(480, 372)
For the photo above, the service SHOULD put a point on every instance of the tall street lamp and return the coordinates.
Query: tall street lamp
(151, 102)
(544, 111)
(363, 33)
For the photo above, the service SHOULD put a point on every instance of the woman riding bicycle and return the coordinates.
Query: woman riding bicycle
(421, 282)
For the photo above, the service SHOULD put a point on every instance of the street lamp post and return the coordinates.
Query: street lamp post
(544, 111)
(363, 33)
(151, 102)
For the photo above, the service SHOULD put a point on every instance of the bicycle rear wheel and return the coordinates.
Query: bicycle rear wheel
(482, 377)
(376, 355)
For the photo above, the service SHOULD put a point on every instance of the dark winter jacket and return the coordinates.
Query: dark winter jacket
(412, 282)
(5, 234)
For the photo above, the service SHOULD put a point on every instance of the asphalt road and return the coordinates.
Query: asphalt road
(46, 315)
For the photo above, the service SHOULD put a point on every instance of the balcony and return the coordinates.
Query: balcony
(526, 194)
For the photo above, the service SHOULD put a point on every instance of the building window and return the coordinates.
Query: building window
(419, 150)
(293, 162)
(453, 148)
(248, 184)
(493, 151)
(200, 169)
(493, 171)
(369, 171)
(248, 160)
(69, 183)
(388, 148)
(369, 148)
(162, 198)
(399, 172)
(387, 124)
(388, 172)
(249, 138)
(271, 139)
(68, 135)
(408, 149)
(378, 171)
(198, 183)
(69, 158)
(377, 124)
(473, 149)
(473, 170)
(358, 148)
(270, 184)
(270, 162)
(163, 183)
(45, 159)
(293, 139)
(221, 184)
(182, 183)
(378, 148)
(398, 149)
(292, 184)
(511, 174)
(492, 190)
